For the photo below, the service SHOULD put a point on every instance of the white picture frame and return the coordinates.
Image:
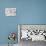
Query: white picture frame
(10, 11)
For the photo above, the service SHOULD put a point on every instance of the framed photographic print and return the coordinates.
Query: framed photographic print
(10, 11)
